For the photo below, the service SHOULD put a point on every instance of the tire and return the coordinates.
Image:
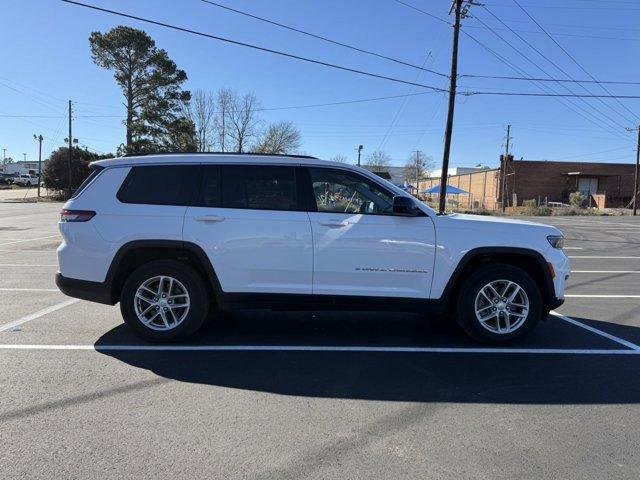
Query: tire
(509, 320)
(181, 321)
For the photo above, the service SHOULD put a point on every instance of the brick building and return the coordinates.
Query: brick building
(604, 184)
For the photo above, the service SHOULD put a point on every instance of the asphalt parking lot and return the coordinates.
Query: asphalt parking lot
(331, 395)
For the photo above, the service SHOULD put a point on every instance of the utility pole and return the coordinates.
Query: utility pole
(505, 159)
(460, 12)
(635, 178)
(360, 147)
(4, 160)
(457, 6)
(635, 181)
(417, 171)
(70, 153)
(39, 139)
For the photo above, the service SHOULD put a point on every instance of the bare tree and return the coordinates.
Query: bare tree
(378, 159)
(222, 125)
(281, 138)
(201, 111)
(340, 158)
(239, 120)
(419, 167)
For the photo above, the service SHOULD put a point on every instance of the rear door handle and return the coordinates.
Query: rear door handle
(335, 223)
(209, 218)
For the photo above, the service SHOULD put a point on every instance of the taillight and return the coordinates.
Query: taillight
(76, 215)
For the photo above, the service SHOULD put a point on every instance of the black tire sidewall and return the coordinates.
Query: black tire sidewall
(198, 299)
(465, 310)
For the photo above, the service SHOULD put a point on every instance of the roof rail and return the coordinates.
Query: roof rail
(142, 154)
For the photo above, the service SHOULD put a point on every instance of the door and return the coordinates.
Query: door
(588, 186)
(248, 221)
(360, 246)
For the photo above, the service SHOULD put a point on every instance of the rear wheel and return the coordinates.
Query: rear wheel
(499, 303)
(164, 301)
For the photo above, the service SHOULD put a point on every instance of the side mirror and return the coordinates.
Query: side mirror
(405, 206)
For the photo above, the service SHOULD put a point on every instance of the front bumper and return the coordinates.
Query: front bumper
(84, 289)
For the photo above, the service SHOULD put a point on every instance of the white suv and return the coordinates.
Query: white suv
(176, 237)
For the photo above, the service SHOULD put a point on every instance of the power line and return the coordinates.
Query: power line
(435, 17)
(569, 104)
(255, 47)
(546, 88)
(535, 49)
(368, 52)
(325, 39)
(319, 62)
(400, 109)
(59, 116)
(571, 57)
(575, 35)
(345, 102)
(559, 80)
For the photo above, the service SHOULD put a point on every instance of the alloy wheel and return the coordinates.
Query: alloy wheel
(161, 303)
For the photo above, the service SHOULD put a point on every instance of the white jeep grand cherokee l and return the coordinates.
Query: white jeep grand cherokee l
(174, 237)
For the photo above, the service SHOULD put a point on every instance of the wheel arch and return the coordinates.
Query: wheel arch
(138, 252)
(528, 260)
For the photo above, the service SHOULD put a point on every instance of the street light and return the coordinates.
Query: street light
(38, 138)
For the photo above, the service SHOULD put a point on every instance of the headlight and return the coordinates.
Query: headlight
(556, 241)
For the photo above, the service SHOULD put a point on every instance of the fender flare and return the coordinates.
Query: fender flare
(114, 268)
(547, 289)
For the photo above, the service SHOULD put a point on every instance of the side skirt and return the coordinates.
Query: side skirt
(301, 302)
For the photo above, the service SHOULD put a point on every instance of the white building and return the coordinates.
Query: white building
(23, 167)
(458, 171)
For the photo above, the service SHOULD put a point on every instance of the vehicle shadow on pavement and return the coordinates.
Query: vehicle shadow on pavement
(517, 378)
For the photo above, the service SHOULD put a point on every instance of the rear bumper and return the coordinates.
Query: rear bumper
(84, 289)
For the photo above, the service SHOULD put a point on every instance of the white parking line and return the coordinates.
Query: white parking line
(41, 313)
(596, 331)
(28, 240)
(600, 296)
(598, 256)
(27, 265)
(573, 248)
(9, 289)
(317, 348)
(605, 271)
(53, 251)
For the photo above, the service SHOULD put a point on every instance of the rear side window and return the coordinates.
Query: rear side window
(160, 185)
(94, 173)
(258, 187)
(210, 195)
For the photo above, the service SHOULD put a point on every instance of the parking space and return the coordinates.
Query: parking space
(327, 395)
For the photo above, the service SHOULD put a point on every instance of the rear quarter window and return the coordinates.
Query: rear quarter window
(94, 173)
(160, 185)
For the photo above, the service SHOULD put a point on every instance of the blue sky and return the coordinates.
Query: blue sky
(46, 60)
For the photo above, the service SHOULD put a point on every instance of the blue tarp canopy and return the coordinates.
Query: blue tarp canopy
(450, 190)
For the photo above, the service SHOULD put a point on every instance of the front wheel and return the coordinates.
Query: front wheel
(499, 303)
(164, 301)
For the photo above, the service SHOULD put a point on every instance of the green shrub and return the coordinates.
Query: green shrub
(576, 199)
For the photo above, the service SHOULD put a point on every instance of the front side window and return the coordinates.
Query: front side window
(160, 185)
(347, 192)
(259, 187)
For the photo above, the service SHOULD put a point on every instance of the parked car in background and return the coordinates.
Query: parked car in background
(173, 237)
(27, 180)
(8, 178)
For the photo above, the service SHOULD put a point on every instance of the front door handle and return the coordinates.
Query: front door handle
(335, 223)
(209, 218)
